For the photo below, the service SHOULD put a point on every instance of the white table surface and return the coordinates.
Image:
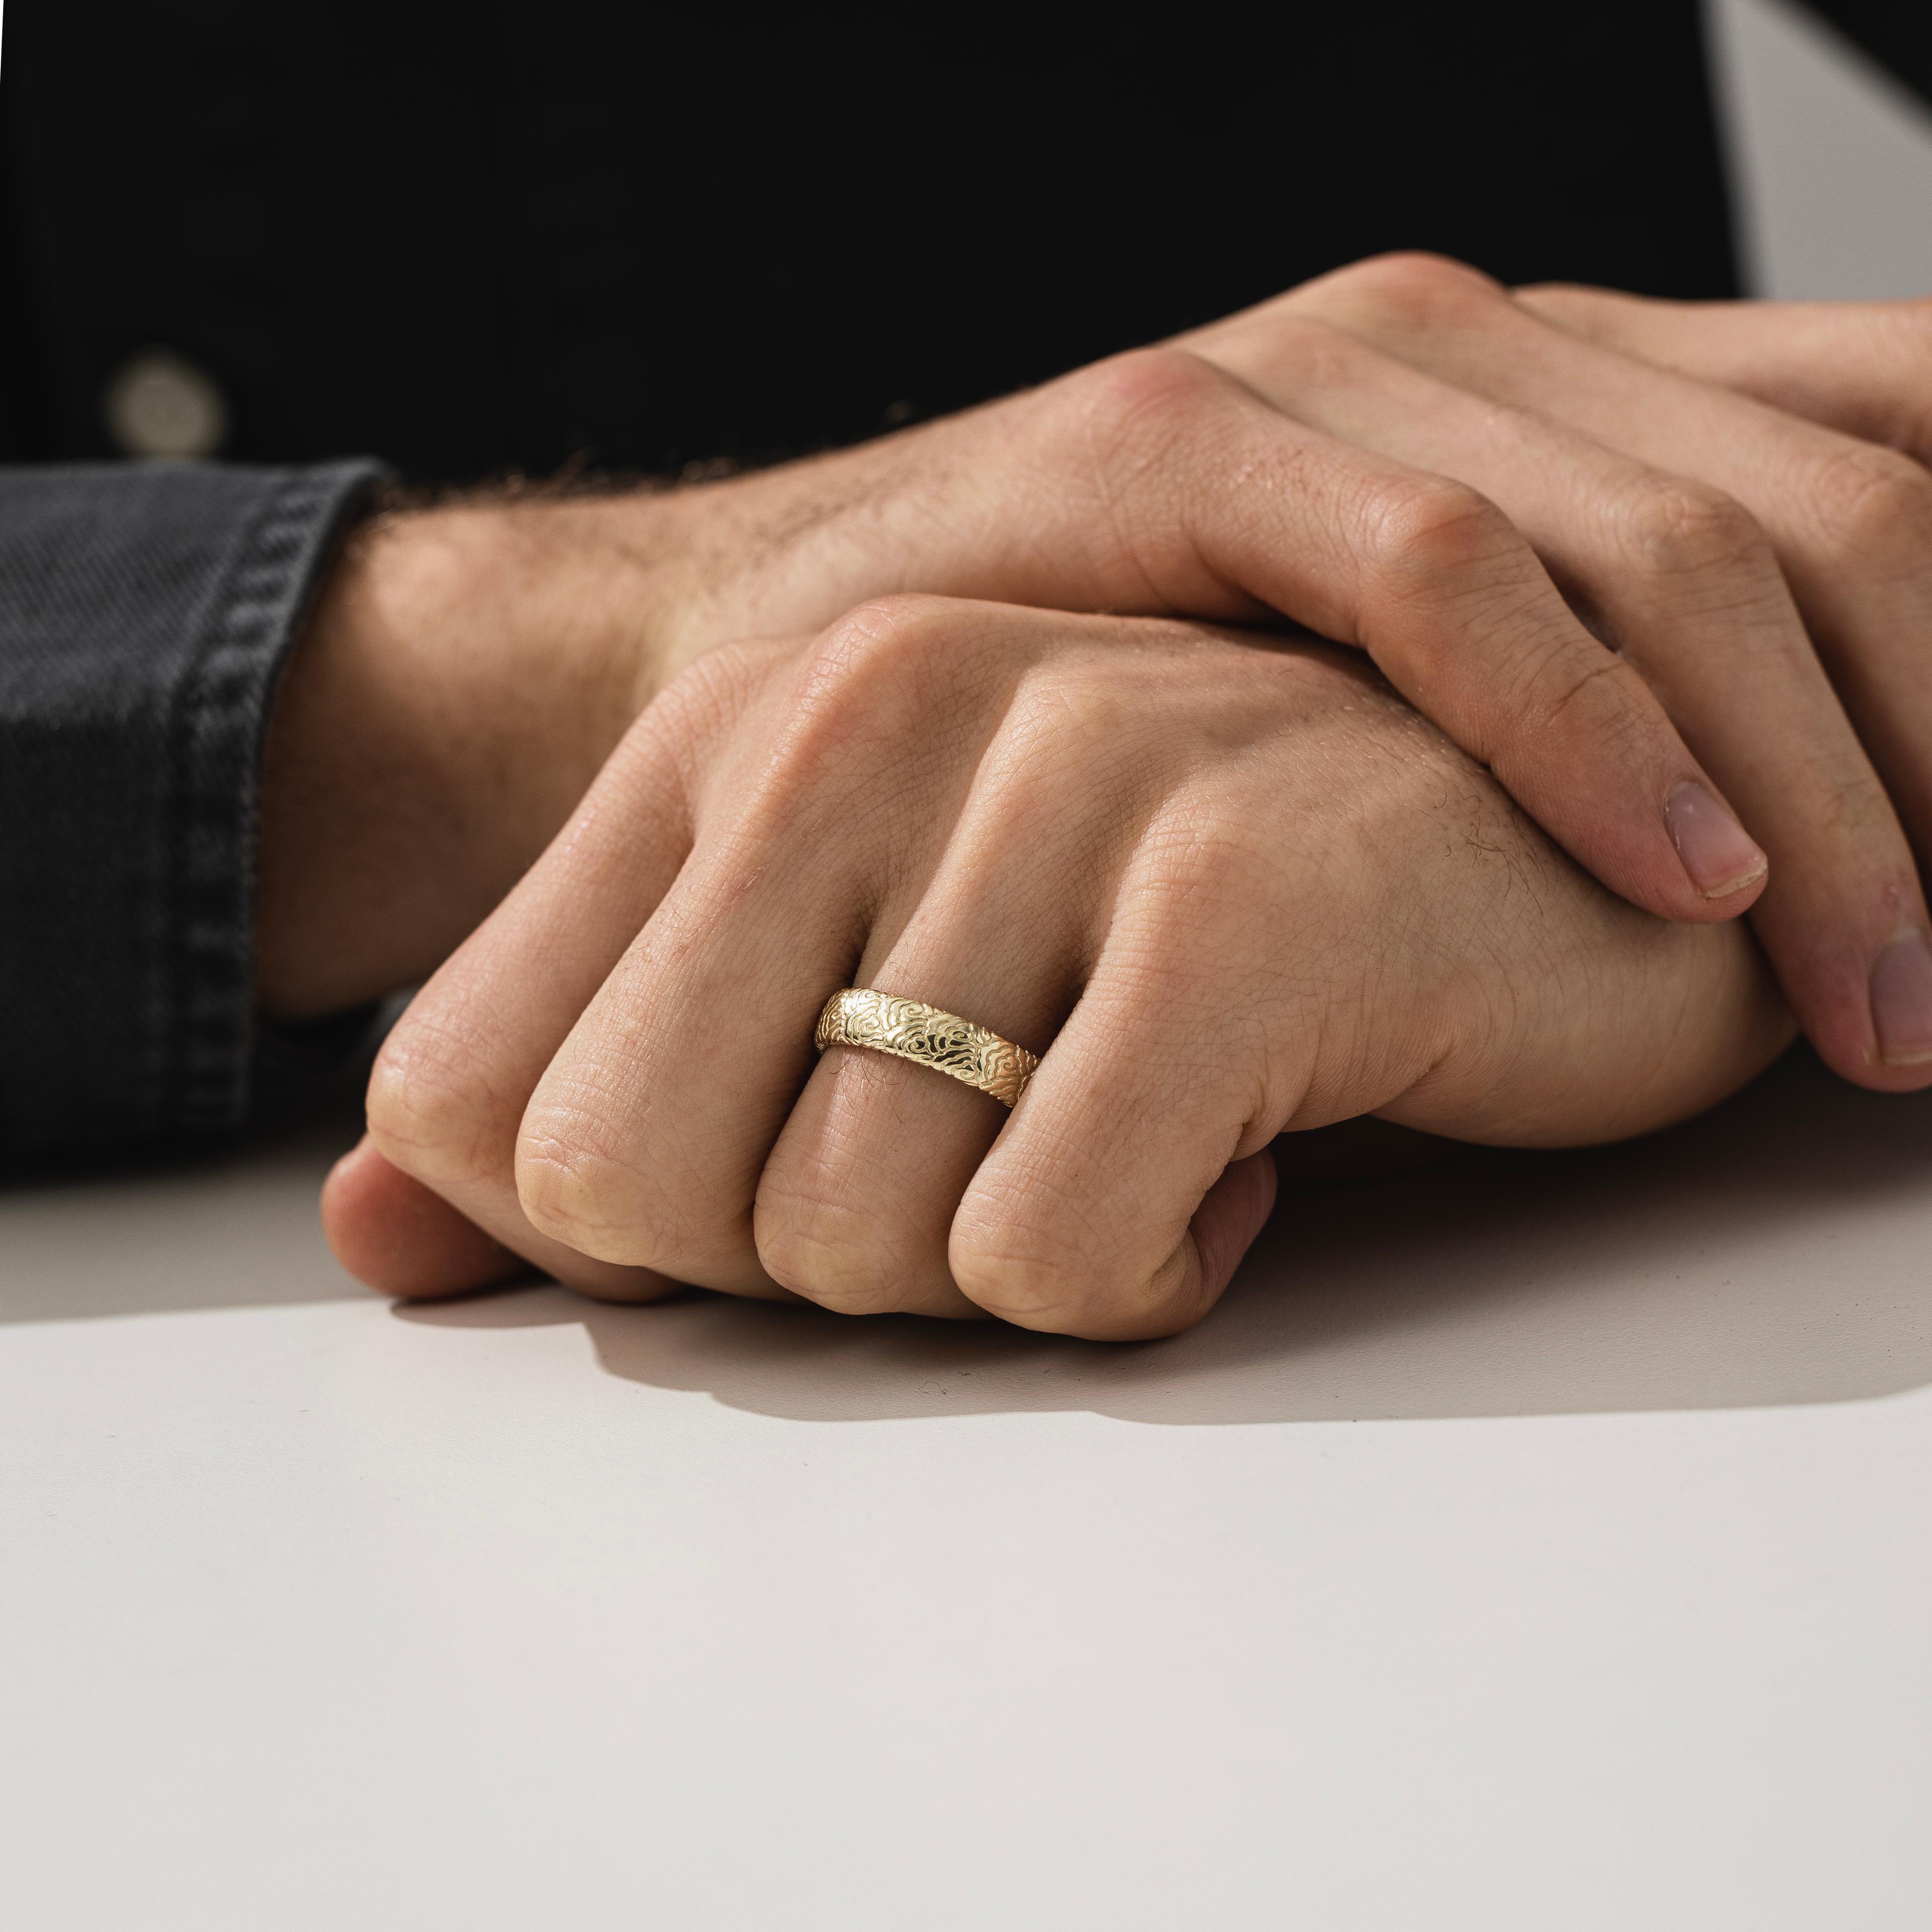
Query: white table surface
(1546, 1545)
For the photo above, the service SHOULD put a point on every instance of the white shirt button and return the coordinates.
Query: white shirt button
(160, 404)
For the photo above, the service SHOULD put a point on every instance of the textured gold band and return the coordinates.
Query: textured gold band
(912, 1031)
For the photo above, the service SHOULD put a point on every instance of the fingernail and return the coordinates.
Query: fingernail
(1720, 856)
(1901, 1000)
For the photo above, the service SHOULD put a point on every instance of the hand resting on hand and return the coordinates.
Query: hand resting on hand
(1607, 578)
(1229, 884)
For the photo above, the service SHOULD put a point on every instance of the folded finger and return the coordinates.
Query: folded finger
(453, 1080)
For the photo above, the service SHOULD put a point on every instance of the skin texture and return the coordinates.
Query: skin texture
(1230, 885)
(1635, 559)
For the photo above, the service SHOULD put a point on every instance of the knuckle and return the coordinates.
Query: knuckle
(1059, 1287)
(884, 636)
(1414, 286)
(1671, 527)
(862, 693)
(1075, 701)
(1426, 535)
(1139, 444)
(1605, 695)
(817, 1242)
(431, 1107)
(1194, 868)
(707, 694)
(1025, 1248)
(1127, 395)
(580, 1180)
(679, 733)
(1876, 504)
(1060, 1293)
(1034, 1246)
(569, 1186)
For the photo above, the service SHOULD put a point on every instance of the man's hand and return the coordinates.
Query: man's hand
(1401, 456)
(1228, 884)
(1735, 533)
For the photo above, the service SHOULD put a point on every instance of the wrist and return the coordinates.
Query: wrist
(465, 673)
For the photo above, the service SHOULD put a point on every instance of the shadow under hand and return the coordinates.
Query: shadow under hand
(1775, 1251)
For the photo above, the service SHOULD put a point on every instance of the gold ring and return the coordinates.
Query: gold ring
(910, 1030)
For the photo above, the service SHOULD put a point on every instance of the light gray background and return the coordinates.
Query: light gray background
(1527, 1544)
(1832, 158)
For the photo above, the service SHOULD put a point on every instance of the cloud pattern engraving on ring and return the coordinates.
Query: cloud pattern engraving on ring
(910, 1030)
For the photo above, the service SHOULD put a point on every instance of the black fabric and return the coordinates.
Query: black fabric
(475, 236)
(144, 613)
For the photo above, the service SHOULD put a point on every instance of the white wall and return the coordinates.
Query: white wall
(1832, 158)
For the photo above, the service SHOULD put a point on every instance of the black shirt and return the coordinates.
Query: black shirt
(471, 236)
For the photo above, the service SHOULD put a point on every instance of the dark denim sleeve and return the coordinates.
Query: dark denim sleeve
(144, 614)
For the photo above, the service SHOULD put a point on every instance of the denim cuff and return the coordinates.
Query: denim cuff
(146, 613)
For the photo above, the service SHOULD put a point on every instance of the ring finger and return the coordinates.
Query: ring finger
(856, 1203)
